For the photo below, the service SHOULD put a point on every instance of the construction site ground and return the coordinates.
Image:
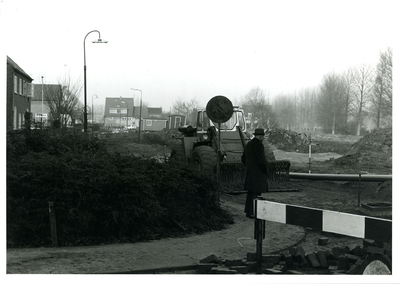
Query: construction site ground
(180, 255)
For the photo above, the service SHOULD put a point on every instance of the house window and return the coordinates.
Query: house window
(22, 87)
(124, 111)
(19, 86)
(15, 84)
(149, 122)
(113, 110)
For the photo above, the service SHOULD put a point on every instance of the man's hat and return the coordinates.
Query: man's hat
(259, 131)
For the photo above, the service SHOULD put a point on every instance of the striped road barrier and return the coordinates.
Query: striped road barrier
(318, 219)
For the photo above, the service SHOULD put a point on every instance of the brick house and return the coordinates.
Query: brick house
(120, 112)
(56, 90)
(36, 102)
(19, 94)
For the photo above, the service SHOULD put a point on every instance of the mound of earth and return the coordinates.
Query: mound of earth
(373, 149)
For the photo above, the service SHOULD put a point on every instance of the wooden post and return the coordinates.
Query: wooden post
(359, 189)
(53, 225)
(259, 235)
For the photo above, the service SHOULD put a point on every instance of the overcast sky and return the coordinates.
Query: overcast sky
(195, 49)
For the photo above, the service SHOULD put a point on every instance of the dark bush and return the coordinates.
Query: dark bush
(153, 138)
(100, 197)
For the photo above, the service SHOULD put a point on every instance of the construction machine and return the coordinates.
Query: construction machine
(216, 148)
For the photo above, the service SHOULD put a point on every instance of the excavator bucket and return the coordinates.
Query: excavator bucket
(232, 172)
(278, 174)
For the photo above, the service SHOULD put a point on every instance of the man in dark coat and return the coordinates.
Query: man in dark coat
(255, 161)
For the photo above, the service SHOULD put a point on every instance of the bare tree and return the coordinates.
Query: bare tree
(382, 91)
(62, 102)
(363, 84)
(185, 108)
(257, 103)
(284, 107)
(331, 102)
(305, 108)
(348, 84)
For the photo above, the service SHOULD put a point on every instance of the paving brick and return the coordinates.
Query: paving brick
(352, 258)
(279, 267)
(312, 260)
(283, 263)
(251, 266)
(332, 267)
(351, 247)
(304, 264)
(372, 249)
(332, 261)
(268, 264)
(359, 251)
(343, 263)
(338, 251)
(355, 268)
(271, 271)
(293, 272)
(210, 259)
(300, 255)
(251, 256)
(240, 269)
(274, 258)
(205, 267)
(329, 255)
(295, 266)
(323, 241)
(233, 262)
(292, 251)
(322, 259)
(286, 256)
(388, 250)
(219, 270)
(368, 242)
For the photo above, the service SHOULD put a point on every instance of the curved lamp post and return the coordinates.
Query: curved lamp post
(92, 107)
(140, 112)
(84, 75)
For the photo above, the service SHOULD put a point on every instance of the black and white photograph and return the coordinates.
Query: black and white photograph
(247, 141)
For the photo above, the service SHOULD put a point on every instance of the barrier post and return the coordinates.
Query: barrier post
(259, 235)
(53, 225)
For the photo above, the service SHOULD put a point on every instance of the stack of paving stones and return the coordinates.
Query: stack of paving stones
(338, 260)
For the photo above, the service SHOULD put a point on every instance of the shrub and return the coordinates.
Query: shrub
(100, 197)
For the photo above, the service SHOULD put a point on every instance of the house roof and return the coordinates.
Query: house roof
(155, 110)
(19, 69)
(37, 90)
(119, 102)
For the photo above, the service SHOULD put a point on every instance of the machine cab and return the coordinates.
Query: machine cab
(237, 119)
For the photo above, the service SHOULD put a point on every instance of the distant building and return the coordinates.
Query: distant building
(39, 101)
(155, 112)
(19, 93)
(120, 112)
(175, 121)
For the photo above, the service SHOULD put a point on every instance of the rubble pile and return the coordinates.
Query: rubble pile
(374, 148)
(287, 140)
(338, 260)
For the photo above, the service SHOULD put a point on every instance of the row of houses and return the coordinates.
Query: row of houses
(121, 112)
(26, 100)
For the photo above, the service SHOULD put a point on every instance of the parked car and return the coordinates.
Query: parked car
(130, 127)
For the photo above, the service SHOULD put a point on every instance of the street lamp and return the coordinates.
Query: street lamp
(140, 112)
(84, 75)
(92, 107)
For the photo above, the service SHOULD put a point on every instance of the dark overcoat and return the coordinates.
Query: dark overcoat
(255, 161)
